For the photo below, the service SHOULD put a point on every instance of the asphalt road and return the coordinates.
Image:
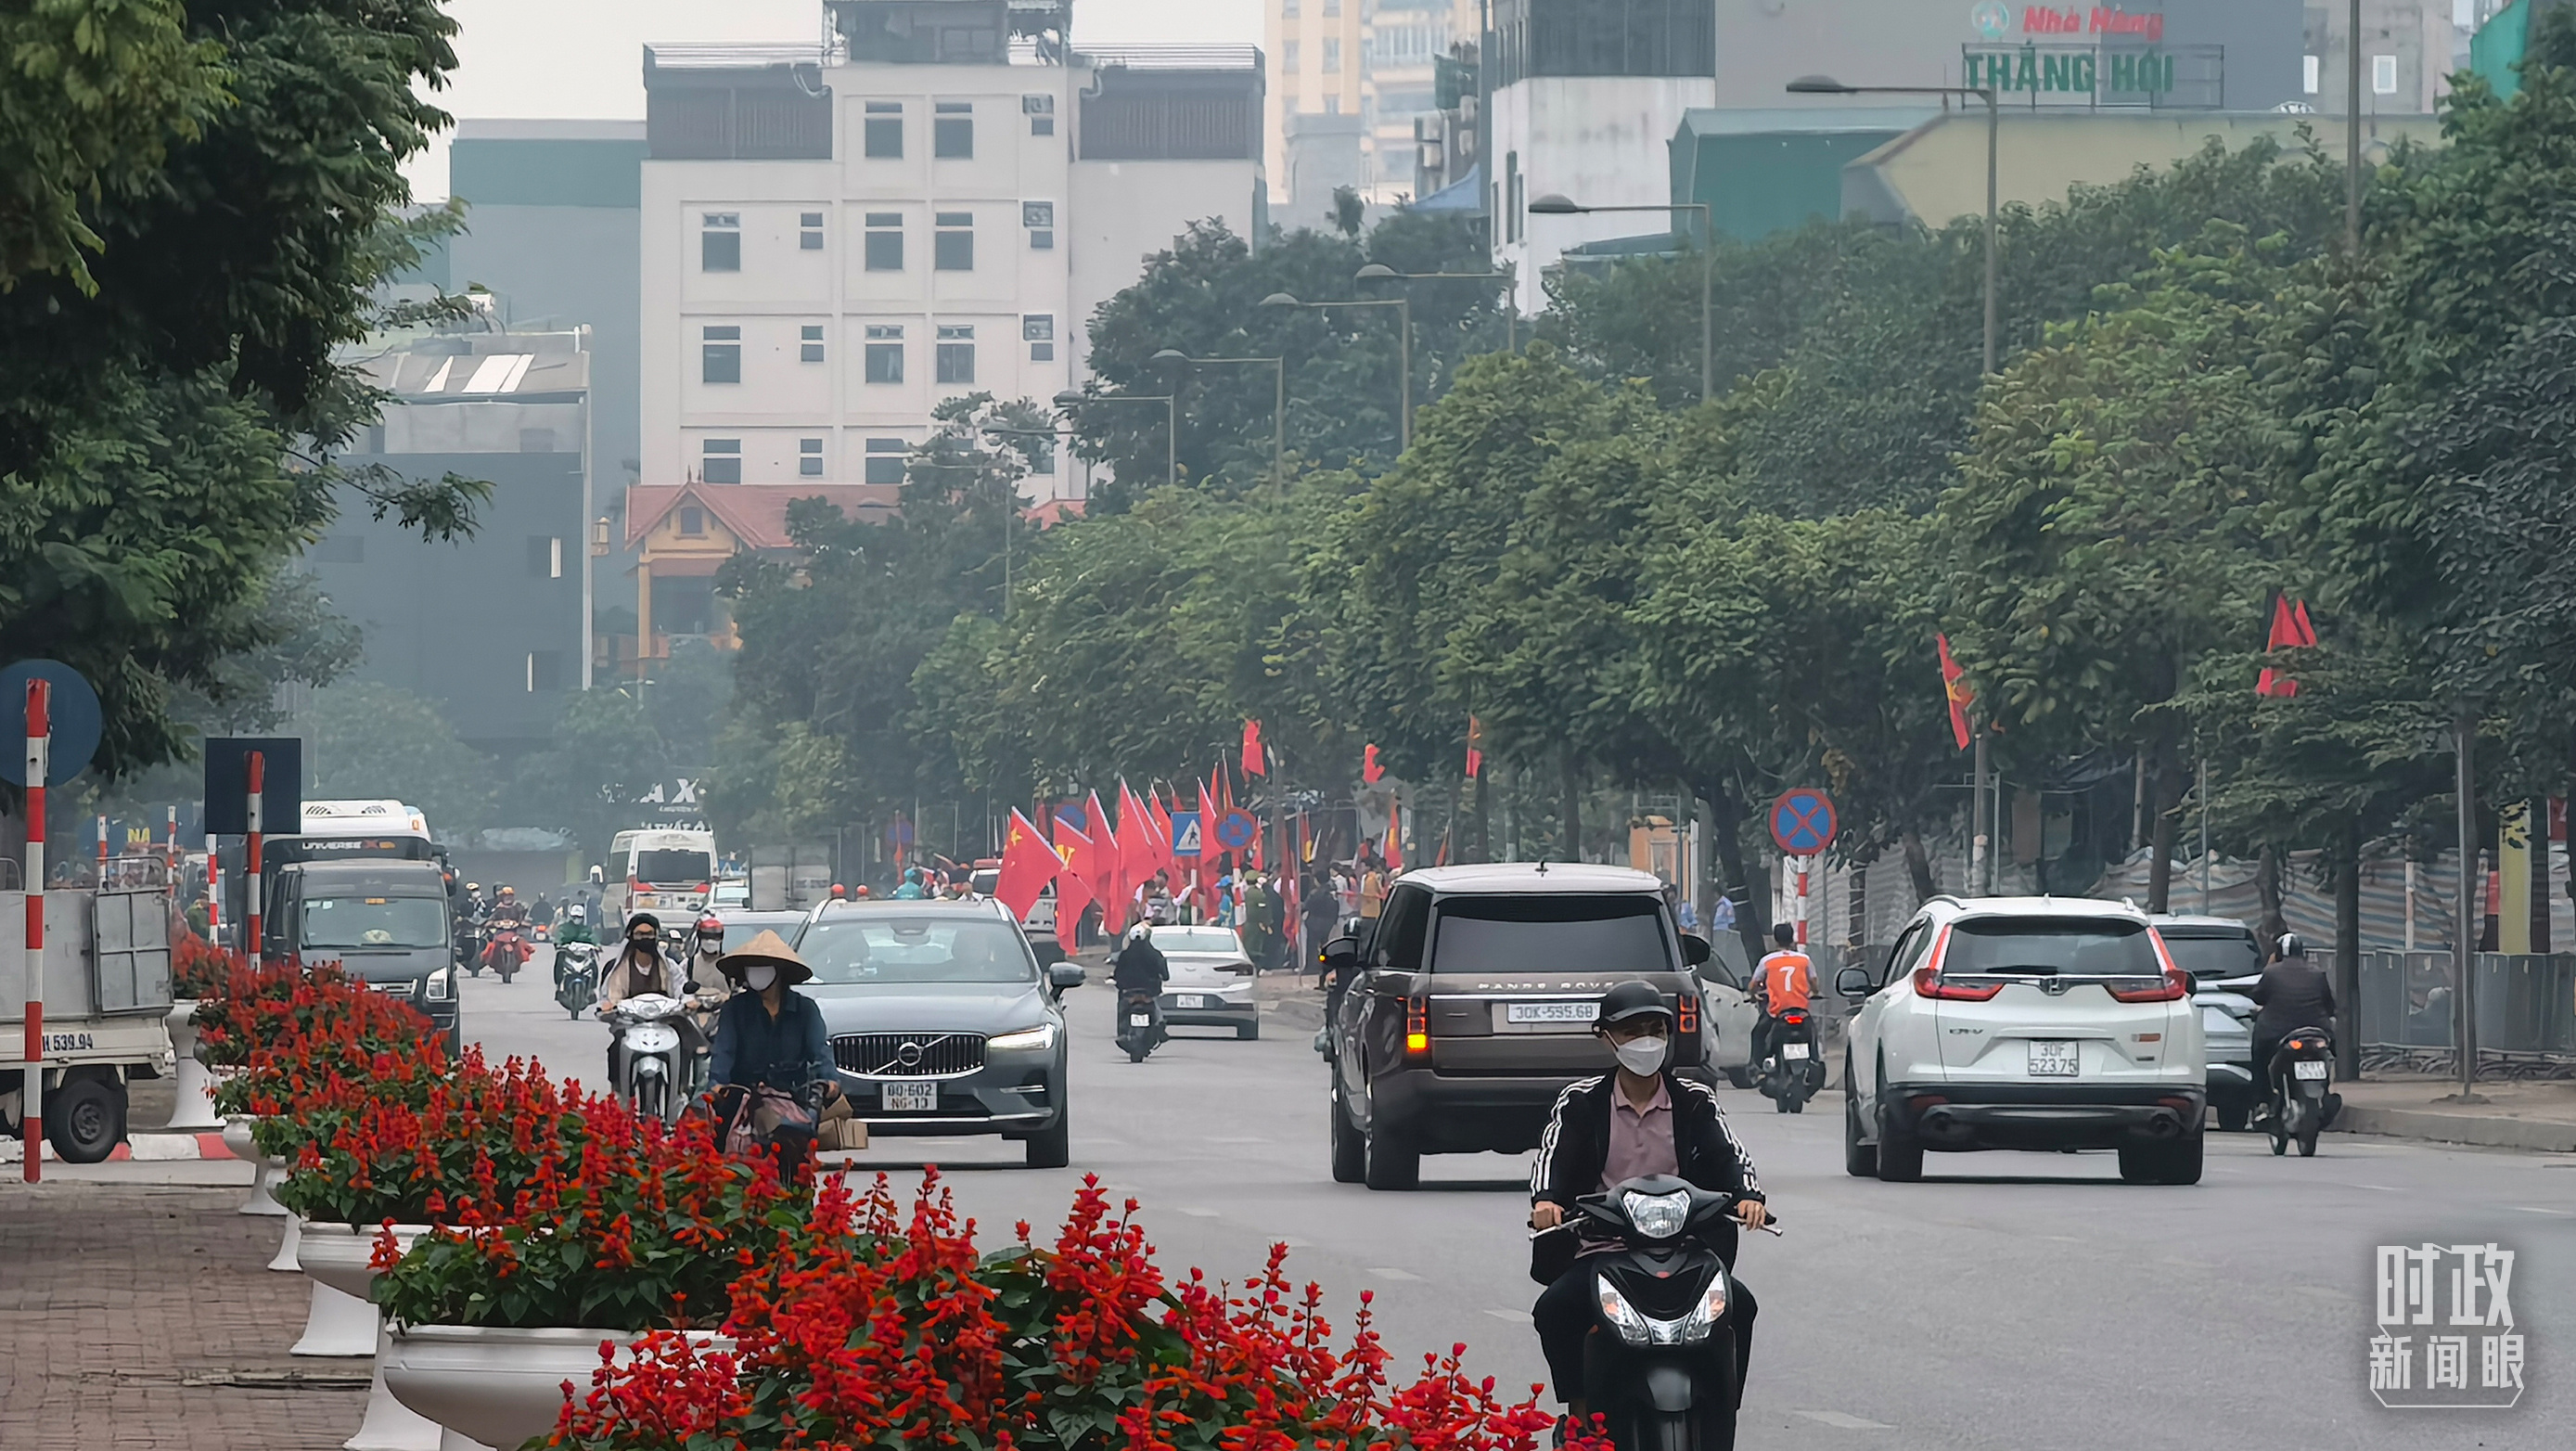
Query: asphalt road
(2009, 1300)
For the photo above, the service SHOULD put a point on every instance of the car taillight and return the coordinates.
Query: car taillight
(1689, 1023)
(1417, 1026)
(1929, 983)
(2172, 987)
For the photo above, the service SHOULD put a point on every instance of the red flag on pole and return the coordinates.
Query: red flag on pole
(1370, 770)
(1138, 859)
(1073, 890)
(1394, 839)
(1162, 829)
(1256, 760)
(1109, 879)
(1475, 748)
(2290, 631)
(1954, 684)
(1028, 864)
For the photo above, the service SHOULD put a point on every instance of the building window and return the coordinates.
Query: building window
(1041, 113)
(885, 460)
(885, 241)
(809, 458)
(809, 231)
(952, 131)
(1037, 329)
(720, 355)
(720, 242)
(957, 355)
(545, 670)
(885, 354)
(1332, 7)
(1288, 9)
(1039, 218)
(2308, 69)
(1288, 56)
(1512, 219)
(1332, 55)
(719, 462)
(1332, 103)
(545, 556)
(2383, 74)
(952, 247)
(693, 522)
(884, 130)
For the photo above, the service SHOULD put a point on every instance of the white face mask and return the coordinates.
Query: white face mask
(1642, 1056)
(759, 976)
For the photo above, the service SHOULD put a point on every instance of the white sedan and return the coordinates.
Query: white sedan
(1211, 982)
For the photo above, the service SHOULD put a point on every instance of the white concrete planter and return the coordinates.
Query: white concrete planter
(264, 1173)
(196, 1086)
(499, 1386)
(337, 1259)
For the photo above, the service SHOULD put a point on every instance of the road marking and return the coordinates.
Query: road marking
(1198, 1213)
(1845, 1420)
(2536, 1209)
(1390, 1273)
(1517, 1317)
(2379, 1188)
(1238, 1141)
(2060, 1238)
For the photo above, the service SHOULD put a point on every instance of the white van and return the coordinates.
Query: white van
(663, 872)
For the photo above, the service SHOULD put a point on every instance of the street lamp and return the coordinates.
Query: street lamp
(1278, 407)
(1068, 401)
(1380, 272)
(1403, 350)
(1557, 204)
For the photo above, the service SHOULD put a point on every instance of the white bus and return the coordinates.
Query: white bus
(663, 872)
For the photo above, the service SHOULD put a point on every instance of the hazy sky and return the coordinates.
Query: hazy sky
(579, 59)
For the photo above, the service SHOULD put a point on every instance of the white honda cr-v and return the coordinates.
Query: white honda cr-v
(2025, 1023)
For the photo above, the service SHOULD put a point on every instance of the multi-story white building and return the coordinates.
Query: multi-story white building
(931, 203)
(1372, 60)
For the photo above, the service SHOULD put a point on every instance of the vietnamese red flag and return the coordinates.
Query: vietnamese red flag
(1028, 864)
(1203, 877)
(1394, 839)
(1256, 760)
(1073, 892)
(1370, 770)
(1954, 684)
(1162, 829)
(1475, 748)
(1108, 880)
(2286, 633)
(1136, 864)
(1225, 807)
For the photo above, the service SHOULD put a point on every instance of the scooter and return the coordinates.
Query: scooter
(1660, 1366)
(655, 1078)
(506, 953)
(576, 977)
(1140, 1025)
(1791, 1072)
(2301, 1104)
(477, 938)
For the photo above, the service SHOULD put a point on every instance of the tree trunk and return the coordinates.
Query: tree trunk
(1570, 811)
(2347, 952)
(1752, 910)
(2160, 836)
(1918, 868)
(2267, 888)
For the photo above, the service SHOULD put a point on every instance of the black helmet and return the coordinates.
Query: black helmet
(643, 919)
(1633, 1000)
(1784, 934)
(2292, 945)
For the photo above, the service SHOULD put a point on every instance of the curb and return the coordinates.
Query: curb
(2483, 1130)
(139, 1148)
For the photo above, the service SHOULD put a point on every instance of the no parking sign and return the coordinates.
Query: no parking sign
(1802, 821)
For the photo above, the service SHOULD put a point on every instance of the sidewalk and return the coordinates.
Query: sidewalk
(143, 1318)
(2518, 1115)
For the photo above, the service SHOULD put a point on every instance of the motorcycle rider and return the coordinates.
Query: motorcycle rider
(911, 890)
(1785, 978)
(508, 912)
(2294, 994)
(1140, 968)
(640, 968)
(769, 1036)
(1640, 1118)
(575, 926)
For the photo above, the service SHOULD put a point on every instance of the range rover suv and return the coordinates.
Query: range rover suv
(2042, 1023)
(1470, 1008)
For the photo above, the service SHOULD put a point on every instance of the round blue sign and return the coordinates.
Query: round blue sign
(1802, 821)
(1236, 829)
(72, 721)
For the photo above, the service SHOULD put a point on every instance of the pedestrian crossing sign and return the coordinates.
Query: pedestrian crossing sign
(1185, 833)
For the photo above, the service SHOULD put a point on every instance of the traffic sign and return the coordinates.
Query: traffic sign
(281, 793)
(72, 719)
(1185, 834)
(1236, 829)
(1802, 821)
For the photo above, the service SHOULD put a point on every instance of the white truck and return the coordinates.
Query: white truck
(106, 1000)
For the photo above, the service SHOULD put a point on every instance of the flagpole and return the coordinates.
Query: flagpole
(1977, 824)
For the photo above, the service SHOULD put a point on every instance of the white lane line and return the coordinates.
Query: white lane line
(1845, 1420)
(1390, 1273)
(1517, 1317)
(2536, 1209)
(1198, 1213)
(2379, 1188)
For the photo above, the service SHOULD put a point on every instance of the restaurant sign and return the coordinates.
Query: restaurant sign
(2167, 77)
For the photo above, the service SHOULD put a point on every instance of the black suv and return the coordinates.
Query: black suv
(1460, 1019)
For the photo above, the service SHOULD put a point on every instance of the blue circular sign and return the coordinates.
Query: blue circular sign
(1236, 829)
(72, 721)
(1802, 821)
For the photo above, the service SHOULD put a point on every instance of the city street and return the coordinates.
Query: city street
(2007, 1301)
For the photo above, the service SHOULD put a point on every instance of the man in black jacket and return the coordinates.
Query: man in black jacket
(1641, 1118)
(2295, 994)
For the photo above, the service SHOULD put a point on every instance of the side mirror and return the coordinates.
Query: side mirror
(1341, 952)
(1049, 951)
(2190, 983)
(1695, 950)
(1064, 976)
(1853, 982)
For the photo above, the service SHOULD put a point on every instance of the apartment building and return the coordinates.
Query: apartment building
(930, 203)
(1349, 81)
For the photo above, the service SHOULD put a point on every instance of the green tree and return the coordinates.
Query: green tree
(602, 755)
(369, 739)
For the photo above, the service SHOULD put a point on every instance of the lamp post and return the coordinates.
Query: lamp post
(1557, 204)
(1278, 406)
(1828, 86)
(1380, 272)
(1403, 351)
(1068, 401)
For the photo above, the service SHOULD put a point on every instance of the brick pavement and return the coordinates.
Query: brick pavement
(114, 1298)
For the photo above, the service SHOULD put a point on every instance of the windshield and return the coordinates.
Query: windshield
(916, 950)
(2210, 958)
(1621, 934)
(673, 868)
(2046, 947)
(1197, 939)
(362, 922)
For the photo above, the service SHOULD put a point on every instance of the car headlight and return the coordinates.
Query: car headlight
(1640, 1329)
(442, 984)
(1041, 1036)
(1657, 1216)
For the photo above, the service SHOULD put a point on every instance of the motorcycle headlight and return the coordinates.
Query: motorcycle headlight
(442, 984)
(649, 1067)
(1702, 1320)
(1041, 1036)
(1657, 1216)
(1637, 1328)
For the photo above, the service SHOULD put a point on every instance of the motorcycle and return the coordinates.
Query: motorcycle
(1140, 1025)
(655, 1077)
(1659, 1366)
(475, 939)
(506, 953)
(576, 977)
(1791, 1071)
(2301, 1105)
